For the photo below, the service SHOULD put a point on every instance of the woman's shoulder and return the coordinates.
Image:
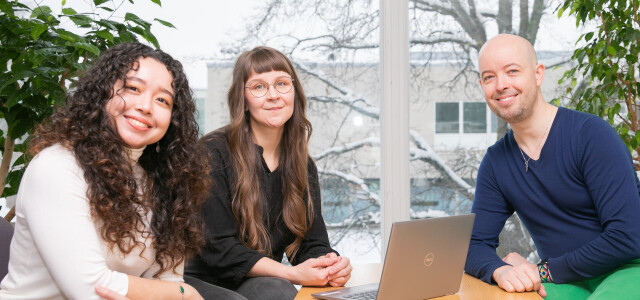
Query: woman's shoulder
(311, 165)
(54, 155)
(217, 145)
(218, 138)
(53, 166)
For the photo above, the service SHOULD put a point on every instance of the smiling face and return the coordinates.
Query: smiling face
(273, 109)
(141, 106)
(510, 77)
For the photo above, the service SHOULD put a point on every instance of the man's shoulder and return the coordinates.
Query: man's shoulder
(582, 125)
(577, 118)
(500, 146)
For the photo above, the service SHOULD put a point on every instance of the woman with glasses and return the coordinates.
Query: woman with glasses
(266, 197)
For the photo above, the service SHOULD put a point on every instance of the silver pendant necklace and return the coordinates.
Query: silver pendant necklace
(526, 160)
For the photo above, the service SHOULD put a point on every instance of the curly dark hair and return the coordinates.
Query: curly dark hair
(176, 180)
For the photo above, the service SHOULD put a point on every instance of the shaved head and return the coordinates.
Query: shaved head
(511, 42)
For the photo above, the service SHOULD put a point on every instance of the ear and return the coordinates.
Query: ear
(539, 74)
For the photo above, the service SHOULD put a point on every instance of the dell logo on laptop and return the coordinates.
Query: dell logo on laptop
(428, 260)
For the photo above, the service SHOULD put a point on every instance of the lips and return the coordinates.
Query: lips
(506, 98)
(138, 123)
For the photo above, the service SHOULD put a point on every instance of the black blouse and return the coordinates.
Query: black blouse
(224, 260)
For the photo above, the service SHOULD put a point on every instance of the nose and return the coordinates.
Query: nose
(272, 93)
(502, 82)
(144, 104)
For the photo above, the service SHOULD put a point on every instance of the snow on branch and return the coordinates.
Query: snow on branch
(368, 111)
(426, 154)
(442, 7)
(371, 141)
(337, 43)
(320, 76)
(443, 38)
(354, 180)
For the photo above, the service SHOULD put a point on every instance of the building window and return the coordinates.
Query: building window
(447, 117)
(494, 122)
(464, 117)
(475, 117)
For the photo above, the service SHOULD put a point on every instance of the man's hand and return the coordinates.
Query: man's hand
(519, 276)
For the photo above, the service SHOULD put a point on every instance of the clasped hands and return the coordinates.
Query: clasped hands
(327, 269)
(519, 275)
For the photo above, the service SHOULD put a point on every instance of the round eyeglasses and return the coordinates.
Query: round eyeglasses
(260, 88)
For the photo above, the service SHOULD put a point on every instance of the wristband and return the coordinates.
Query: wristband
(181, 291)
(545, 275)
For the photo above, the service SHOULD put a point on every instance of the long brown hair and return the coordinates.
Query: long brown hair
(176, 170)
(247, 205)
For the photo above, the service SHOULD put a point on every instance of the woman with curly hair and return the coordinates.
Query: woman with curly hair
(266, 200)
(108, 203)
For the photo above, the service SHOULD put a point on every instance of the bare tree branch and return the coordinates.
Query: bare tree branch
(354, 180)
(372, 141)
(505, 16)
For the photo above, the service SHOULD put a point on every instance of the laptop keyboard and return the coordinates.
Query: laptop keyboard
(367, 295)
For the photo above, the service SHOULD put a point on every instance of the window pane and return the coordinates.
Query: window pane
(475, 117)
(447, 117)
(494, 123)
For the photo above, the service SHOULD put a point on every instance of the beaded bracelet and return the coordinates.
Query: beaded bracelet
(545, 275)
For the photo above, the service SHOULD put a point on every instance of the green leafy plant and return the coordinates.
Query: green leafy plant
(40, 59)
(604, 80)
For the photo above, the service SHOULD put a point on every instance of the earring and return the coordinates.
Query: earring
(158, 147)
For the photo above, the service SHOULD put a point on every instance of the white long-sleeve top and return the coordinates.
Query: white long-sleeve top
(57, 251)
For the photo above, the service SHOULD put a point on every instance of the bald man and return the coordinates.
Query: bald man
(570, 179)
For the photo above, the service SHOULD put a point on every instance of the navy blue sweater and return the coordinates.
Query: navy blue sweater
(580, 200)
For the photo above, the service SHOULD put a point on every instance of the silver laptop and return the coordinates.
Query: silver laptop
(425, 259)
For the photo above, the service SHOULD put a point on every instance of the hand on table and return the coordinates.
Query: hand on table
(519, 276)
(314, 271)
(340, 271)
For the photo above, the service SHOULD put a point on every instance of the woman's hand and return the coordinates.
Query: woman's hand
(108, 294)
(340, 271)
(313, 271)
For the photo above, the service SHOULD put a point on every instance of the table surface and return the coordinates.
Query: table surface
(471, 287)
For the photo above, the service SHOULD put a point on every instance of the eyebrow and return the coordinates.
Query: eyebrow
(512, 65)
(505, 67)
(144, 82)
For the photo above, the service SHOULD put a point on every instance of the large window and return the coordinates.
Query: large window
(337, 58)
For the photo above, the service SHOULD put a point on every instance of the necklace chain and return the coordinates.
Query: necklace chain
(526, 160)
